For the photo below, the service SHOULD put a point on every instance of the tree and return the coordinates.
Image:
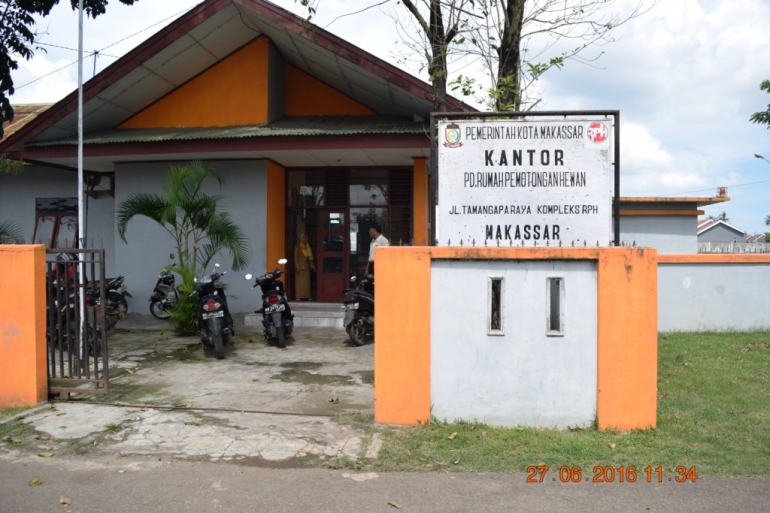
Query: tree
(10, 233)
(767, 220)
(763, 118)
(720, 217)
(18, 38)
(513, 38)
(499, 34)
(197, 225)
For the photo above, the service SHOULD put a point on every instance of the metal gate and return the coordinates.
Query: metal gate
(77, 343)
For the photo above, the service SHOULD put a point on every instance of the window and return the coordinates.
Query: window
(56, 222)
(495, 317)
(555, 307)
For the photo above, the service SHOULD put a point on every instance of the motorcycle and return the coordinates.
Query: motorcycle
(164, 296)
(215, 321)
(117, 305)
(358, 305)
(277, 319)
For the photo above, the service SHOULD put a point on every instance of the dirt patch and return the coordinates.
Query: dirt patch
(301, 365)
(367, 377)
(308, 378)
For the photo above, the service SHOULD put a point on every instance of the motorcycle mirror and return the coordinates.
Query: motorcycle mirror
(282, 261)
(369, 277)
(171, 256)
(216, 266)
(248, 277)
(195, 280)
(352, 279)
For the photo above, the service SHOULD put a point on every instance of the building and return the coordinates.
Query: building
(716, 230)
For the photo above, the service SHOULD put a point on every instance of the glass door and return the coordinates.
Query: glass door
(332, 255)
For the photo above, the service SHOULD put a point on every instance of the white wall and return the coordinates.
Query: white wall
(523, 377)
(17, 204)
(697, 297)
(149, 246)
(667, 234)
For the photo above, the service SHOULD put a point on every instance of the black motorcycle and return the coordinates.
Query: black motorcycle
(277, 318)
(215, 321)
(116, 305)
(358, 305)
(164, 296)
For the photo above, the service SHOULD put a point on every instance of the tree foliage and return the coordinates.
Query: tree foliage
(198, 226)
(18, 38)
(763, 117)
(513, 41)
(10, 233)
(720, 217)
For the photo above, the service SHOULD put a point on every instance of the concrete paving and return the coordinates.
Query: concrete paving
(261, 404)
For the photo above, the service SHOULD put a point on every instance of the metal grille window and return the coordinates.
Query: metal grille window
(495, 316)
(555, 307)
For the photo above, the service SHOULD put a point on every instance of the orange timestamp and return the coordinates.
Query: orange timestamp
(610, 474)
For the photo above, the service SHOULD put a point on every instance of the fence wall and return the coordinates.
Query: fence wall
(713, 292)
(23, 376)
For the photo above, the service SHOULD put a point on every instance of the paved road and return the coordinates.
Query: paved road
(148, 485)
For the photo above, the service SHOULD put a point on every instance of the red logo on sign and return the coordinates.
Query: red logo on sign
(597, 132)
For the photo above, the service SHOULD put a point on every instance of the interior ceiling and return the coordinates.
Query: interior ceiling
(214, 39)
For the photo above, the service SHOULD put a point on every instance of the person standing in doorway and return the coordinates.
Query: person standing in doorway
(303, 264)
(378, 239)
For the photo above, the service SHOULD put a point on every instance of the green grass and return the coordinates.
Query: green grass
(10, 412)
(713, 413)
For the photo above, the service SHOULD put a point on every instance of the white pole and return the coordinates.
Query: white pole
(81, 211)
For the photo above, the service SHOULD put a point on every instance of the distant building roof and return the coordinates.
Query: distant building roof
(705, 225)
(23, 114)
(760, 237)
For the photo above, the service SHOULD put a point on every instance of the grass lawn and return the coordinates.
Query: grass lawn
(713, 413)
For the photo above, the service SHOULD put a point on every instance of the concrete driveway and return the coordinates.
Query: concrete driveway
(261, 404)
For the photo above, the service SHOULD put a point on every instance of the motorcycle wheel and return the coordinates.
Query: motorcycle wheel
(357, 332)
(219, 346)
(281, 337)
(118, 300)
(157, 310)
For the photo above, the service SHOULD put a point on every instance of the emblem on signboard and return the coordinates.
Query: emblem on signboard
(597, 132)
(453, 134)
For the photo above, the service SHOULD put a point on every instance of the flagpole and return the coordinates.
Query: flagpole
(81, 211)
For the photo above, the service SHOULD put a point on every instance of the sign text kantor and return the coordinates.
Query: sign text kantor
(530, 181)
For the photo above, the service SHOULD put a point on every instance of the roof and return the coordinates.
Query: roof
(705, 225)
(700, 201)
(23, 114)
(204, 36)
(291, 126)
(760, 237)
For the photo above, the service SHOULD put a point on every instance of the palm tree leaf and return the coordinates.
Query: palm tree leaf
(143, 204)
(10, 233)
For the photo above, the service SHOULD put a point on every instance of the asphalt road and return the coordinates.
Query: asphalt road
(127, 484)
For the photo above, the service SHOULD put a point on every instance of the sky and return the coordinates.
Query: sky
(685, 77)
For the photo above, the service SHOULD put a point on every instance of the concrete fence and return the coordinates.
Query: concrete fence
(713, 292)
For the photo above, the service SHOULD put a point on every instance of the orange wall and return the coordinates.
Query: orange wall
(308, 96)
(276, 215)
(232, 92)
(420, 211)
(23, 373)
(402, 346)
(627, 352)
(626, 339)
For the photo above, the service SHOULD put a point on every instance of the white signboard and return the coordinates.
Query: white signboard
(527, 182)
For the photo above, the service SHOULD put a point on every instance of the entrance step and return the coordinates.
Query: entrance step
(308, 314)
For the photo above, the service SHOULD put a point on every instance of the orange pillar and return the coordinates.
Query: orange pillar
(420, 203)
(402, 349)
(23, 373)
(275, 239)
(627, 352)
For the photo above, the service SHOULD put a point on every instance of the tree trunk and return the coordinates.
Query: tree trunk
(438, 46)
(509, 53)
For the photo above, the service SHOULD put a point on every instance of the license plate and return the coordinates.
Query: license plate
(275, 308)
(351, 306)
(213, 315)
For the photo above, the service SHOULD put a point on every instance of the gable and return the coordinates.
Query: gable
(232, 92)
(308, 96)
